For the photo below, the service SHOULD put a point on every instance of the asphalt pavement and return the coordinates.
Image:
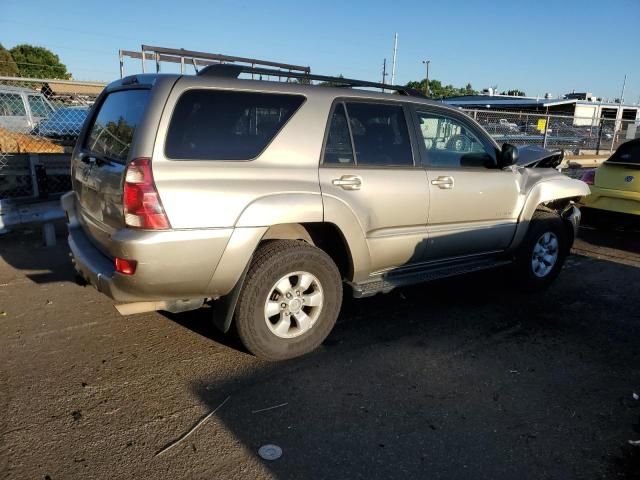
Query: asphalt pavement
(468, 378)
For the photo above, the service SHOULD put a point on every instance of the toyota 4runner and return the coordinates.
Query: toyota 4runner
(265, 199)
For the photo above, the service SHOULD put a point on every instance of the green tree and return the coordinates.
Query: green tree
(38, 62)
(514, 93)
(332, 83)
(437, 90)
(8, 66)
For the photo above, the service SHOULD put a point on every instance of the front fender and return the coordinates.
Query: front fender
(556, 188)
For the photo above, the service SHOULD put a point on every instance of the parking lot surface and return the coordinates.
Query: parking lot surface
(457, 379)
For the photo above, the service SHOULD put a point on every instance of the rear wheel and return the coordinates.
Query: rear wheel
(543, 250)
(290, 300)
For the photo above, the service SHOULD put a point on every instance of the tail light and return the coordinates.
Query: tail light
(589, 177)
(142, 205)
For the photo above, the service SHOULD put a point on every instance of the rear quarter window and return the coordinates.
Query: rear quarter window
(227, 125)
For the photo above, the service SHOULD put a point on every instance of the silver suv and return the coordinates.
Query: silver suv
(265, 199)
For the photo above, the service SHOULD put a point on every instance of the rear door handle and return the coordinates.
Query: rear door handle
(348, 182)
(443, 182)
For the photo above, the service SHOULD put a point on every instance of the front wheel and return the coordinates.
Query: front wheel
(290, 300)
(543, 251)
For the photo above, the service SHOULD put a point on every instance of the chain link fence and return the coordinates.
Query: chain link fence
(577, 135)
(40, 120)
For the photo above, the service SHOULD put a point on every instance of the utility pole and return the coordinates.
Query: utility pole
(427, 62)
(384, 71)
(624, 84)
(395, 52)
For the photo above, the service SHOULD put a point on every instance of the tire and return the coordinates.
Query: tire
(533, 266)
(271, 337)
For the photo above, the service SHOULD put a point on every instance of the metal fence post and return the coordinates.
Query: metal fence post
(33, 161)
(546, 132)
(599, 138)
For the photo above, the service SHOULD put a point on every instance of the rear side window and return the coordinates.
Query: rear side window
(227, 125)
(111, 132)
(380, 134)
(11, 105)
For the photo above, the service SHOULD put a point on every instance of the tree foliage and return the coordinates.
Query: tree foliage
(437, 90)
(8, 66)
(514, 93)
(38, 62)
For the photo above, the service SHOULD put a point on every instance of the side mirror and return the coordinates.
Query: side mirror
(508, 155)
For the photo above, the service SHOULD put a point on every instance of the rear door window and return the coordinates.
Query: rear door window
(380, 134)
(112, 129)
(227, 125)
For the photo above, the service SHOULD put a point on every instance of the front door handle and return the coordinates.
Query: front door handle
(443, 182)
(348, 182)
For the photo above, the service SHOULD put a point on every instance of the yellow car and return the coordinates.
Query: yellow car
(615, 185)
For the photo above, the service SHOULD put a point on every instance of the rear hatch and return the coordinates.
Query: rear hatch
(622, 170)
(100, 160)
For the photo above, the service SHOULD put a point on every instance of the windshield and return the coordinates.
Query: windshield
(112, 130)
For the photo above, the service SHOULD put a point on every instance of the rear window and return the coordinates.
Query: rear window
(627, 153)
(225, 125)
(112, 130)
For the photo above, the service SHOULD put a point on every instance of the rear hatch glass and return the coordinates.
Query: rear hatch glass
(112, 129)
(98, 172)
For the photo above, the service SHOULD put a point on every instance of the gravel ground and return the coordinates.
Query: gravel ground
(458, 379)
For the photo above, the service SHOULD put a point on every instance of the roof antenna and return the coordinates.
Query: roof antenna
(195, 67)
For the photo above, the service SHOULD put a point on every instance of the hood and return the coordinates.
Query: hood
(533, 156)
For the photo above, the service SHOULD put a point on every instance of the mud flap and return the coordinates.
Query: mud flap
(224, 308)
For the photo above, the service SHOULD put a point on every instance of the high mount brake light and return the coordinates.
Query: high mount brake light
(142, 205)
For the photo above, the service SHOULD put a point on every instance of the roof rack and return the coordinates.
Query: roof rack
(234, 71)
(195, 58)
(227, 66)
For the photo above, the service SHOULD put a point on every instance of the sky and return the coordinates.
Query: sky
(540, 46)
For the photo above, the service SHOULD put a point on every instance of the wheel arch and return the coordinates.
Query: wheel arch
(551, 195)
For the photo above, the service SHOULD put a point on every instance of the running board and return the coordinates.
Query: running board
(387, 281)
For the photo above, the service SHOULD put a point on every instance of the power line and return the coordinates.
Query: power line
(49, 65)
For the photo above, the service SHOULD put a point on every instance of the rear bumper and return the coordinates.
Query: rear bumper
(171, 265)
(621, 201)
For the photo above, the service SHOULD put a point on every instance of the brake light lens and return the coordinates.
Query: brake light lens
(589, 177)
(142, 205)
(126, 267)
